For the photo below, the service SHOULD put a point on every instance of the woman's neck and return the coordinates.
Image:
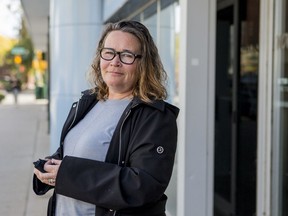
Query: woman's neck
(120, 96)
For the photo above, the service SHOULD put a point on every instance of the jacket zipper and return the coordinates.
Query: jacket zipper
(77, 105)
(120, 137)
(120, 140)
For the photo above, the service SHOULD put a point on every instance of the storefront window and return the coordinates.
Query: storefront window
(280, 112)
(160, 19)
(150, 19)
(167, 53)
(236, 102)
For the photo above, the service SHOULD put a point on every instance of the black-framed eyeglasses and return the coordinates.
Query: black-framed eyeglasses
(126, 57)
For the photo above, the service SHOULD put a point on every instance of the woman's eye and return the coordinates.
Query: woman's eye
(109, 53)
(127, 55)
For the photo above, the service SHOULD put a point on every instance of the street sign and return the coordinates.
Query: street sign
(19, 51)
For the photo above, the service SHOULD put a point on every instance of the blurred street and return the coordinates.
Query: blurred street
(23, 139)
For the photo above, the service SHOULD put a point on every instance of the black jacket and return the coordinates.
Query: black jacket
(137, 168)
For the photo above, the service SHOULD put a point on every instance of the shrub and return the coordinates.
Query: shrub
(1, 97)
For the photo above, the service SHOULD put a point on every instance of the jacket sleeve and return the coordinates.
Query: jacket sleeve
(141, 181)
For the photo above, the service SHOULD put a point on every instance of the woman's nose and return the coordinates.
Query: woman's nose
(116, 61)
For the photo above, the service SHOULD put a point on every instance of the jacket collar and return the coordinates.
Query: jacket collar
(156, 104)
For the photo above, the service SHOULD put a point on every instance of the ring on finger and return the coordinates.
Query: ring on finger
(51, 181)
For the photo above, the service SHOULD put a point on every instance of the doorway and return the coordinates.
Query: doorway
(237, 49)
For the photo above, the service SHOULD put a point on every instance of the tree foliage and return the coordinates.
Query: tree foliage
(6, 45)
(7, 64)
(24, 42)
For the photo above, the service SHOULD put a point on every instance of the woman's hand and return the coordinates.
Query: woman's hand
(51, 167)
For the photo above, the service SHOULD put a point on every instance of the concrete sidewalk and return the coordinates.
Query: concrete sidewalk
(23, 139)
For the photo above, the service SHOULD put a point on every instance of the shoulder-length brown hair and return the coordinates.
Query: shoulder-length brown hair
(151, 76)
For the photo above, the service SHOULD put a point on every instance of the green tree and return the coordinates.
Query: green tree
(7, 53)
(24, 43)
(6, 45)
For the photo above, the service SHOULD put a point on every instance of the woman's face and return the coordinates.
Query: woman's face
(119, 77)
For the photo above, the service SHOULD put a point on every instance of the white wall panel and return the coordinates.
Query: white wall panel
(75, 28)
(196, 120)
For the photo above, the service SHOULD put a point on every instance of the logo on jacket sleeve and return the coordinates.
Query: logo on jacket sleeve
(160, 149)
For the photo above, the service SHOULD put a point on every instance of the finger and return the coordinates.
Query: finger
(46, 178)
(36, 171)
(57, 162)
(43, 177)
(53, 169)
(50, 181)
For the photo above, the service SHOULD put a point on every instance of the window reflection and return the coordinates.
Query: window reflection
(236, 96)
(280, 117)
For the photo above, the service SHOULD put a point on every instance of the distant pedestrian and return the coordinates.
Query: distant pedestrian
(16, 88)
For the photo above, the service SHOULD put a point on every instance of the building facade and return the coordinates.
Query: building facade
(227, 63)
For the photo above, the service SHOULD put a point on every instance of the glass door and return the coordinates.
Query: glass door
(224, 177)
(236, 107)
(280, 112)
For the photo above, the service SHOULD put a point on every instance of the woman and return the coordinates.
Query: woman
(119, 140)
